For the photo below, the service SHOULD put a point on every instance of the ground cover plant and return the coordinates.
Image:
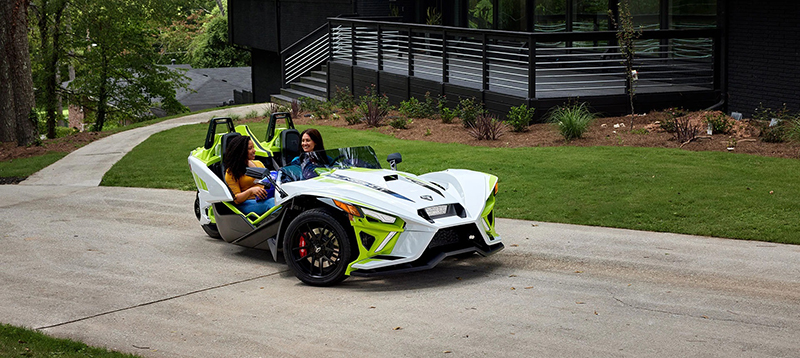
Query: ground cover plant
(658, 189)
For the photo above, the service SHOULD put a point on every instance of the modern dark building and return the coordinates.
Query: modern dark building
(729, 54)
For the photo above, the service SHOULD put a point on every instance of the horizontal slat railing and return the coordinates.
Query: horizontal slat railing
(538, 64)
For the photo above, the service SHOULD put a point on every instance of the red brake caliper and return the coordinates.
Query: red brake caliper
(302, 245)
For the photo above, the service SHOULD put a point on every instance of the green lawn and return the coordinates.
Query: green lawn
(19, 342)
(24, 167)
(670, 190)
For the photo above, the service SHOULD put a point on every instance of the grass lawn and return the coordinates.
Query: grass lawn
(18, 342)
(669, 190)
(24, 167)
(27, 166)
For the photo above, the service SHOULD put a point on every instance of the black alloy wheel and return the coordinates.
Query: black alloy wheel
(317, 248)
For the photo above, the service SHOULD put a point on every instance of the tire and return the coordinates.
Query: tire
(317, 248)
(210, 229)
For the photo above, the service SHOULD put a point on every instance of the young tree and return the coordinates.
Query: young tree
(626, 39)
(16, 84)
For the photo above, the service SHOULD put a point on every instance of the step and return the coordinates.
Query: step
(319, 82)
(310, 88)
(323, 75)
(296, 94)
(281, 99)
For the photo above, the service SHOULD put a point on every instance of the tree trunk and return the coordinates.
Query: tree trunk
(16, 83)
(102, 95)
(221, 7)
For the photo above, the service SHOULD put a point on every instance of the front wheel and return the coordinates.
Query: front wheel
(317, 248)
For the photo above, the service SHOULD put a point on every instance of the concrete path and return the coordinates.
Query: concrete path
(131, 270)
(87, 165)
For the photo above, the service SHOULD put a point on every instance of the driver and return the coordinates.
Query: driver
(313, 155)
(247, 195)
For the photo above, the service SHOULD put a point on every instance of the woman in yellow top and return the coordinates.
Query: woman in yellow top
(247, 195)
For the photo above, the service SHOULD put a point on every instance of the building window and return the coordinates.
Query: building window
(590, 15)
(480, 14)
(550, 16)
(688, 14)
(512, 15)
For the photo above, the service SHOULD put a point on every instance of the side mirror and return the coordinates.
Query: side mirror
(394, 159)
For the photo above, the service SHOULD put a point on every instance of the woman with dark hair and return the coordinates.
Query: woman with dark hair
(313, 155)
(247, 195)
(311, 140)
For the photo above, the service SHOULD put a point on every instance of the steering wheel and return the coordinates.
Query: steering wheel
(337, 159)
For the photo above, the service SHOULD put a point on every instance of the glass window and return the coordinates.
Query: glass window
(646, 14)
(512, 15)
(686, 14)
(550, 16)
(590, 15)
(480, 14)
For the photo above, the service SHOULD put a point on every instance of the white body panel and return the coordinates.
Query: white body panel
(402, 195)
(215, 189)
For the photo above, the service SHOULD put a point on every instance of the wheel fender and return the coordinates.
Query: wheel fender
(210, 187)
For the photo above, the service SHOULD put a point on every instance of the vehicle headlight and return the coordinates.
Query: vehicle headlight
(384, 218)
(436, 210)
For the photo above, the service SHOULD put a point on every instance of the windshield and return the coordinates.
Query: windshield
(309, 165)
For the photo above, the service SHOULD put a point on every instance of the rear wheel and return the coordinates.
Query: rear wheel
(210, 229)
(317, 248)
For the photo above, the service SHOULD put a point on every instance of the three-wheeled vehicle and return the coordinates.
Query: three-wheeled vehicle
(338, 213)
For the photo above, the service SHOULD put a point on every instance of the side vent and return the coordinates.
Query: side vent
(367, 240)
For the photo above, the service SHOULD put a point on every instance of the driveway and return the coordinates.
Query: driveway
(131, 270)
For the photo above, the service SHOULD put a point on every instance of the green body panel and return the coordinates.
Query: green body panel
(489, 208)
(379, 231)
(252, 217)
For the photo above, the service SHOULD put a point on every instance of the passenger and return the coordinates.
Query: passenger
(247, 195)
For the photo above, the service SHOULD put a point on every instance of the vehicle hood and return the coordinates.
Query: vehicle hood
(383, 190)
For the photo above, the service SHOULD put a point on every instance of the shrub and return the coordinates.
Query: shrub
(373, 107)
(573, 120)
(774, 134)
(685, 131)
(487, 127)
(353, 118)
(519, 118)
(294, 109)
(251, 114)
(640, 131)
(400, 123)
(719, 122)
(668, 124)
(447, 115)
(468, 111)
(343, 99)
(793, 132)
(441, 103)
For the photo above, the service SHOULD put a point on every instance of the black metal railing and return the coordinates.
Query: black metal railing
(529, 64)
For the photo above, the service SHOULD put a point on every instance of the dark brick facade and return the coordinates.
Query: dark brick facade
(763, 56)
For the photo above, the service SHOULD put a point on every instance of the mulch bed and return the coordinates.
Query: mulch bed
(608, 131)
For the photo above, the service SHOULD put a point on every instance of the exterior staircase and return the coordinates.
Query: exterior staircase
(313, 85)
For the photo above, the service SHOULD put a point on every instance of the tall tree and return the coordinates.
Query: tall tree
(16, 84)
(49, 16)
(212, 49)
(116, 71)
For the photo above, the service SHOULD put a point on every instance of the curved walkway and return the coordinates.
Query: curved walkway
(86, 166)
